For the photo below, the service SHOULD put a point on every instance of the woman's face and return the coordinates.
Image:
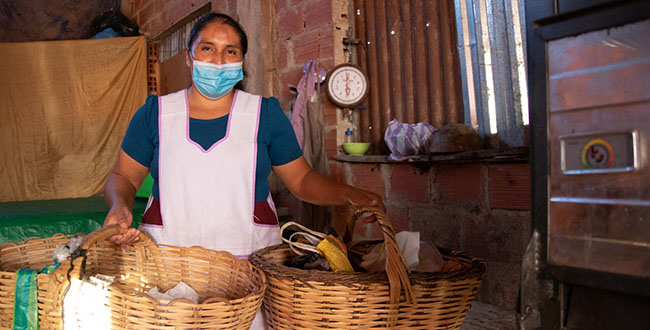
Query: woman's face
(217, 43)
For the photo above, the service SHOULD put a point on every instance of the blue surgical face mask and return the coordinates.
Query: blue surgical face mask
(213, 80)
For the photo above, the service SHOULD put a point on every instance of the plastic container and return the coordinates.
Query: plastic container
(349, 136)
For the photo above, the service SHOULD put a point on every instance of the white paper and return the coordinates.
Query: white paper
(409, 244)
(181, 290)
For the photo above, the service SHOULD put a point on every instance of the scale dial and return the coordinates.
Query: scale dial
(347, 86)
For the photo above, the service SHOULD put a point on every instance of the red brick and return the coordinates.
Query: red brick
(407, 184)
(127, 7)
(291, 77)
(368, 177)
(144, 28)
(330, 143)
(329, 110)
(145, 15)
(172, 11)
(281, 5)
(337, 171)
(282, 55)
(318, 14)
(397, 213)
(460, 183)
(311, 44)
(509, 186)
(139, 4)
(290, 22)
(367, 231)
(157, 26)
(326, 63)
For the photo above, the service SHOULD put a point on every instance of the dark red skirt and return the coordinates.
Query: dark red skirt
(264, 215)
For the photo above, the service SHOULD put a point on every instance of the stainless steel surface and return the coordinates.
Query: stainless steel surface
(599, 200)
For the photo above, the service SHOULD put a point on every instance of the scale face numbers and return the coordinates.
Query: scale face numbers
(604, 153)
(347, 86)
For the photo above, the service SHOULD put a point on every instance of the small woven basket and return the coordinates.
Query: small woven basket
(230, 290)
(314, 299)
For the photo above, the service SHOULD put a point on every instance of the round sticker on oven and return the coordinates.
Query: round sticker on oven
(597, 154)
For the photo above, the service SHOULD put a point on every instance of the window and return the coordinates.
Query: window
(491, 47)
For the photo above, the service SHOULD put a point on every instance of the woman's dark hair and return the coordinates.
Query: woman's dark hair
(221, 18)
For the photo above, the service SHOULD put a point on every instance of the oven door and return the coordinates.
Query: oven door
(588, 263)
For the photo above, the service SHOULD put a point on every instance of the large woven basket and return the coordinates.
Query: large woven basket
(230, 290)
(314, 299)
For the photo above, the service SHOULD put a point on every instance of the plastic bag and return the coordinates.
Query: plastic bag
(405, 140)
(25, 300)
(63, 252)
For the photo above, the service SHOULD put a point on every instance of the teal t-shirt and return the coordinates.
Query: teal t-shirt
(276, 140)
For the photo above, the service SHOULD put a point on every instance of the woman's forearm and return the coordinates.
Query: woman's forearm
(119, 191)
(312, 187)
(321, 190)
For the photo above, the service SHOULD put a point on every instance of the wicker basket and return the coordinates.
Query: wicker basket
(313, 299)
(230, 290)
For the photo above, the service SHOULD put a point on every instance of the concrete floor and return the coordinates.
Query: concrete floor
(489, 317)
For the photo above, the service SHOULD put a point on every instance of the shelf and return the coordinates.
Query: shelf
(504, 155)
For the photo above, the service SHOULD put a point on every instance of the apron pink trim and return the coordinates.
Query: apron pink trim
(225, 137)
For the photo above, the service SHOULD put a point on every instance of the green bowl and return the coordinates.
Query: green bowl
(356, 148)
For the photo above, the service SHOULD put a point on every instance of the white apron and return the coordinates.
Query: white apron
(207, 197)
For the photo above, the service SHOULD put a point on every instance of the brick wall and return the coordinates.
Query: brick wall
(154, 16)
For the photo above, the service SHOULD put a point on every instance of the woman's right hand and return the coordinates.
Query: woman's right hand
(121, 215)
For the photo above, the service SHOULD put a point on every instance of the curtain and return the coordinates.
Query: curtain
(64, 108)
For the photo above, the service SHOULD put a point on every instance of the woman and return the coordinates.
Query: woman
(210, 149)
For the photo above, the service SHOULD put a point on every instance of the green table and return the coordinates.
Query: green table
(21, 220)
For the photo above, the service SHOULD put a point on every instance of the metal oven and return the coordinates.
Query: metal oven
(587, 265)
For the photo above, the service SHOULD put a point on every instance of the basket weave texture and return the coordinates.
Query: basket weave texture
(230, 290)
(314, 299)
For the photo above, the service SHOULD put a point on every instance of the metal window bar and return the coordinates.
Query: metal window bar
(176, 41)
(491, 48)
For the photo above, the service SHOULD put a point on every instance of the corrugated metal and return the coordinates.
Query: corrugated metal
(492, 50)
(410, 56)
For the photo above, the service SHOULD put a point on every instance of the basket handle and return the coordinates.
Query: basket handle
(397, 268)
(57, 283)
(104, 233)
(72, 267)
